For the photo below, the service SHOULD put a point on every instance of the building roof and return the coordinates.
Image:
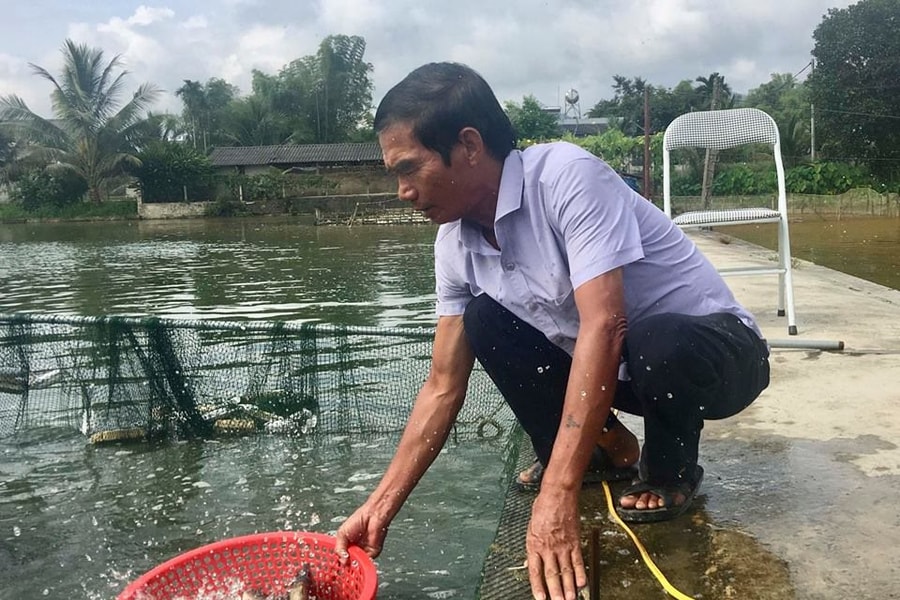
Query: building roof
(297, 155)
(584, 126)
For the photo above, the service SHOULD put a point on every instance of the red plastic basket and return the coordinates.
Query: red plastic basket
(265, 562)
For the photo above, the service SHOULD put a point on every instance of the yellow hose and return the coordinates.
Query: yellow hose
(670, 589)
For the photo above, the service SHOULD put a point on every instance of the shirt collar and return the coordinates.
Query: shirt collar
(509, 199)
(512, 182)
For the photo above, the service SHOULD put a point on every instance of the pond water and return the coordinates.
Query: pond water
(81, 521)
(868, 248)
(221, 269)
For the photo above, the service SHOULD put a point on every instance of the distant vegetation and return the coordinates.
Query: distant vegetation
(101, 139)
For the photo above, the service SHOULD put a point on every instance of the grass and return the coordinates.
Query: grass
(115, 209)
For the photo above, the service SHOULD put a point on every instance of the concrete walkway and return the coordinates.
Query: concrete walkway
(801, 489)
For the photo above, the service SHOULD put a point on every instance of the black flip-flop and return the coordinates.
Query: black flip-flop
(599, 469)
(688, 488)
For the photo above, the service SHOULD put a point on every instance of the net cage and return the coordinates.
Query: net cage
(116, 378)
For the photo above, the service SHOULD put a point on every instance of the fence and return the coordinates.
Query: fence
(856, 202)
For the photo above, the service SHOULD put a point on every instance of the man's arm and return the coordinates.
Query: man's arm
(427, 428)
(555, 562)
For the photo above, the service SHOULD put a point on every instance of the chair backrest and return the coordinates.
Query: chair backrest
(720, 130)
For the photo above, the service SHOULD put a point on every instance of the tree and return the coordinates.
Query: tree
(345, 85)
(253, 122)
(326, 97)
(854, 86)
(289, 94)
(626, 109)
(194, 100)
(714, 93)
(788, 104)
(204, 109)
(531, 121)
(8, 159)
(91, 134)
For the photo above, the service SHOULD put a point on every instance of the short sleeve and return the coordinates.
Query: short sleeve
(594, 211)
(453, 293)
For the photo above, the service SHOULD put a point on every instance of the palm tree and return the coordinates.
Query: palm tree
(715, 93)
(90, 135)
(252, 121)
(194, 98)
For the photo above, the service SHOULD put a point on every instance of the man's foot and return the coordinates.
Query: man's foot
(620, 445)
(614, 459)
(644, 502)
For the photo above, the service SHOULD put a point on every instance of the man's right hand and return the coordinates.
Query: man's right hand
(361, 529)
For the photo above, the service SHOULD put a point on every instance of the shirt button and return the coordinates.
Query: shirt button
(509, 267)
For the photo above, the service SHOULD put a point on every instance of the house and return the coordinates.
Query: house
(294, 158)
(572, 122)
(585, 126)
(311, 169)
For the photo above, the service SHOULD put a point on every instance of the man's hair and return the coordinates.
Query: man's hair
(440, 99)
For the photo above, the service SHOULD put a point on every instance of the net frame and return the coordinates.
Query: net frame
(117, 378)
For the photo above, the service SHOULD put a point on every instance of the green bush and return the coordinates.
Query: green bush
(683, 185)
(47, 188)
(826, 178)
(225, 207)
(265, 186)
(126, 209)
(744, 180)
(169, 171)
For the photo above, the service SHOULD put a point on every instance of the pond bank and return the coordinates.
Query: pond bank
(387, 209)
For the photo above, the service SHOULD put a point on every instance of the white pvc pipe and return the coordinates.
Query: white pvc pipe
(807, 344)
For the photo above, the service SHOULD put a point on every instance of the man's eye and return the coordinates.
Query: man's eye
(405, 169)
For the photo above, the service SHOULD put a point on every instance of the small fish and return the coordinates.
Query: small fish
(300, 586)
(251, 594)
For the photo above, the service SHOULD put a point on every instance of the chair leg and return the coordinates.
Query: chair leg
(786, 277)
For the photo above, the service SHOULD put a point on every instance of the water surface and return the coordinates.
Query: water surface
(80, 521)
(868, 248)
(271, 268)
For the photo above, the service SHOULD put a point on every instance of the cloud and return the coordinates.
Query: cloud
(145, 15)
(195, 22)
(524, 47)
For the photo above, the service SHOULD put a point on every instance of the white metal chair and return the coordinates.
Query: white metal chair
(720, 130)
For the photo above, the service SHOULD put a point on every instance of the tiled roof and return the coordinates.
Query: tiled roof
(296, 155)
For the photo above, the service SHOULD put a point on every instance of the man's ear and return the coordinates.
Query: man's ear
(472, 143)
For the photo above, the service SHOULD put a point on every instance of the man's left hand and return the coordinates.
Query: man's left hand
(553, 545)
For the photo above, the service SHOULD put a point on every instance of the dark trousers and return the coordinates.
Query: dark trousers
(683, 369)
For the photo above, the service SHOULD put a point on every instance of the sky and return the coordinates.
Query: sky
(521, 47)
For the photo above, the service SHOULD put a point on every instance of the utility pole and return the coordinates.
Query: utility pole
(647, 193)
(812, 120)
(709, 164)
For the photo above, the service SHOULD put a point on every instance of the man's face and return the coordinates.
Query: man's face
(436, 190)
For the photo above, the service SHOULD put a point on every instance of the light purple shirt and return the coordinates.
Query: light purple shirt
(563, 218)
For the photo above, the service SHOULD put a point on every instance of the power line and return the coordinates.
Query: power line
(808, 65)
(859, 114)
